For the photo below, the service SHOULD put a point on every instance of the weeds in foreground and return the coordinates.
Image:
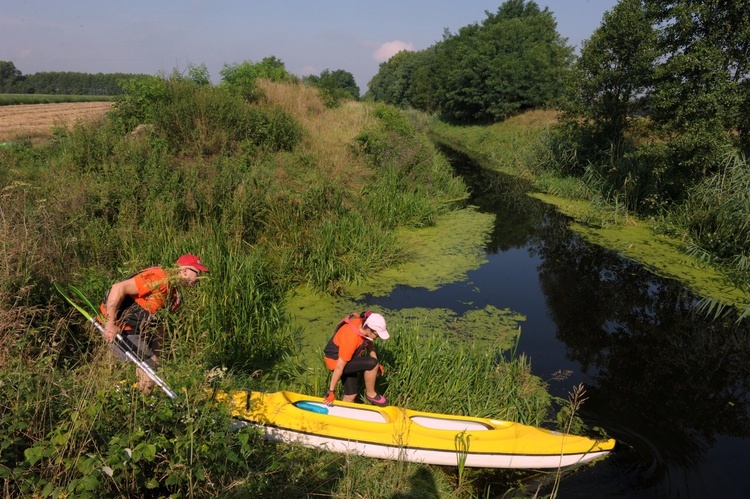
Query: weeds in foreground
(462, 442)
(575, 401)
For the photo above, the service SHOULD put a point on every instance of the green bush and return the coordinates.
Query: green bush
(241, 79)
(203, 120)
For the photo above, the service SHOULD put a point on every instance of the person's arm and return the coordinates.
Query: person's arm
(117, 293)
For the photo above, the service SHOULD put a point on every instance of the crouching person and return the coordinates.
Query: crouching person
(351, 350)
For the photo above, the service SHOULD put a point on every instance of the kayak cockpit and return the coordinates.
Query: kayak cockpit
(450, 424)
(379, 416)
(369, 415)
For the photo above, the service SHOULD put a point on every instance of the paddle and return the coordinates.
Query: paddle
(119, 340)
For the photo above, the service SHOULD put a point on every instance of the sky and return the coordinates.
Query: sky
(308, 36)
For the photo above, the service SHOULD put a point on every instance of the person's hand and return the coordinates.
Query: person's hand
(380, 369)
(110, 331)
(329, 397)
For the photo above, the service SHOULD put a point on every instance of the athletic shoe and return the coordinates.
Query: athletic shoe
(377, 400)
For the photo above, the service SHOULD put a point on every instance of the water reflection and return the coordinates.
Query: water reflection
(673, 387)
(650, 355)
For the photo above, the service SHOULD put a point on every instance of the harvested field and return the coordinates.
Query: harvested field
(36, 121)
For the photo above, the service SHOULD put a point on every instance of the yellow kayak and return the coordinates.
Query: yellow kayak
(402, 434)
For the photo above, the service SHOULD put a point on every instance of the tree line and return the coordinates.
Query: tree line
(512, 61)
(12, 81)
(334, 85)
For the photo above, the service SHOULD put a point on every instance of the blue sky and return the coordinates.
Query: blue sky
(152, 36)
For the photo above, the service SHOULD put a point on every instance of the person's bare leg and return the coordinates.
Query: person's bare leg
(144, 382)
(370, 377)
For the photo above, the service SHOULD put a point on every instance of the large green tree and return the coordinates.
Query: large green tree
(391, 83)
(611, 77)
(701, 88)
(336, 85)
(514, 60)
(407, 80)
(681, 66)
(9, 76)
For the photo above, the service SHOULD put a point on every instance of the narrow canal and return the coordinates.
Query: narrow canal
(671, 386)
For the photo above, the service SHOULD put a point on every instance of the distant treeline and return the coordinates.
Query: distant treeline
(12, 81)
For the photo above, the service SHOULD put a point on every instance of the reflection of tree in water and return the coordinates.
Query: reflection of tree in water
(501, 194)
(651, 356)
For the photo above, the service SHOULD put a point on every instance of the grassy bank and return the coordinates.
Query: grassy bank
(275, 194)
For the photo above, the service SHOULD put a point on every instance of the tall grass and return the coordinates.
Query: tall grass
(717, 212)
(418, 378)
(514, 146)
(715, 220)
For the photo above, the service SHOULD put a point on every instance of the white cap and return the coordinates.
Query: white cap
(376, 322)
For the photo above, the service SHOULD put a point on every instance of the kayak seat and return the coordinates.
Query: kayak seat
(368, 415)
(449, 424)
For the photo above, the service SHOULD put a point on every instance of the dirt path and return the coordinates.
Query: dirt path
(35, 121)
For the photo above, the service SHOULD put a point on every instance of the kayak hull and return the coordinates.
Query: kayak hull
(402, 434)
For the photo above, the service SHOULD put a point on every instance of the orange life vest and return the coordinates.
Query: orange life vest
(352, 323)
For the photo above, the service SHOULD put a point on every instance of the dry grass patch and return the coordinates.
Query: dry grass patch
(298, 100)
(534, 119)
(330, 132)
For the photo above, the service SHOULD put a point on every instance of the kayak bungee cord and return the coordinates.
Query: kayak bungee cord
(119, 340)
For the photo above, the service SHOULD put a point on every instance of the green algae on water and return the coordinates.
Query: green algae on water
(439, 255)
(482, 327)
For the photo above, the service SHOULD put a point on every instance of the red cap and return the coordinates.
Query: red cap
(189, 260)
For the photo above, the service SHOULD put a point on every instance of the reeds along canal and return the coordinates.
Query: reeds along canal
(672, 386)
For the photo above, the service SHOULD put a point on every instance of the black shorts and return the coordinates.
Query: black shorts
(350, 376)
(144, 347)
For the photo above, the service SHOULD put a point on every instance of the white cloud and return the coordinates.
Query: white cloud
(389, 49)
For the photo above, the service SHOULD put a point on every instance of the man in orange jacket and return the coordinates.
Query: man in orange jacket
(134, 302)
(351, 350)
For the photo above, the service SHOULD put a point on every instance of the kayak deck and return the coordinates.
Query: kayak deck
(395, 433)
